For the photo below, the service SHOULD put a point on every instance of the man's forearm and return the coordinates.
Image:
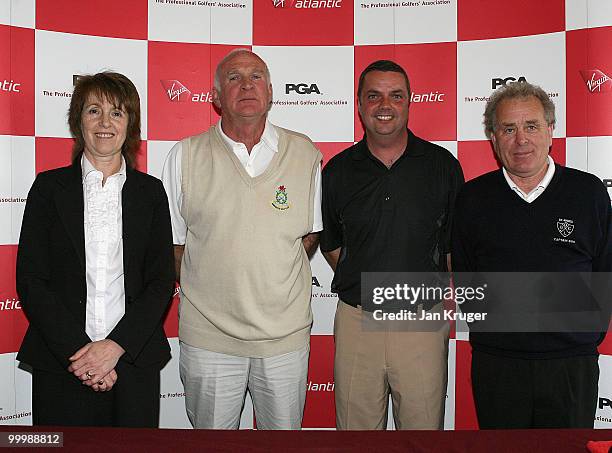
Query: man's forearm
(332, 258)
(311, 242)
(178, 257)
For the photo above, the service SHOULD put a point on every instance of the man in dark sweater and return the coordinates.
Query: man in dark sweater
(532, 215)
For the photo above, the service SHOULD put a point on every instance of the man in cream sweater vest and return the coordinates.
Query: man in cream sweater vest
(245, 207)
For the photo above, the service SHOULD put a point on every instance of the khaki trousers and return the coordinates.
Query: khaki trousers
(370, 365)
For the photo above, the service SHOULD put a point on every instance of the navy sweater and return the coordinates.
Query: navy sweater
(496, 231)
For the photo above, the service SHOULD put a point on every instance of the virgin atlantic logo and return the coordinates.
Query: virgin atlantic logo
(307, 4)
(176, 91)
(596, 81)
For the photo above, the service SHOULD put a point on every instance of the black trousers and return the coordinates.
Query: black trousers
(61, 399)
(512, 393)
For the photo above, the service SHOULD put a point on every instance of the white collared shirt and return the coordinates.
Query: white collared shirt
(103, 250)
(254, 163)
(537, 190)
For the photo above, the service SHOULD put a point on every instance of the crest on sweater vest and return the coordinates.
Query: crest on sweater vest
(281, 199)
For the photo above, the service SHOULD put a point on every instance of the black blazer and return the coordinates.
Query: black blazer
(51, 270)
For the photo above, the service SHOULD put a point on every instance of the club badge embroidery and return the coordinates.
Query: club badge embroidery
(565, 227)
(281, 198)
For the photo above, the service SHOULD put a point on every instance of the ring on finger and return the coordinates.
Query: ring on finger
(100, 382)
(89, 375)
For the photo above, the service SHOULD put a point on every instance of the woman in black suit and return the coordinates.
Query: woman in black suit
(95, 270)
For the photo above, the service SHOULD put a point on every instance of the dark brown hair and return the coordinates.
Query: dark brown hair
(384, 66)
(119, 91)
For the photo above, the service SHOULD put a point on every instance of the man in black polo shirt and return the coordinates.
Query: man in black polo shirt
(532, 216)
(387, 206)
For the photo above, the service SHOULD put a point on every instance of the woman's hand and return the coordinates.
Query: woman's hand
(94, 361)
(106, 383)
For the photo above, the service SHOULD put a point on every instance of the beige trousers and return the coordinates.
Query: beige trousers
(216, 385)
(370, 365)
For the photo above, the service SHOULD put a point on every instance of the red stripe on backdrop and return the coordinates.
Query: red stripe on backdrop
(329, 149)
(432, 70)
(112, 18)
(171, 319)
(292, 23)
(589, 88)
(13, 323)
(320, 410)
(180, 81)
(465, 412)
(52, 152)
(16, 80)
(606, 346)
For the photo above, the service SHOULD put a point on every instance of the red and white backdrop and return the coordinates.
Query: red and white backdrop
(456, 53)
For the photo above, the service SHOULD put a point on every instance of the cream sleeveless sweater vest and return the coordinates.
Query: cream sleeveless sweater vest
(245, 276)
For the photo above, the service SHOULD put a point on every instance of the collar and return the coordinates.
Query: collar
(87, 167)
(269, 137)
(415, 147)
(543, 184)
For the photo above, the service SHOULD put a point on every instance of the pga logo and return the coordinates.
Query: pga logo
(302, 88)
(497, 82)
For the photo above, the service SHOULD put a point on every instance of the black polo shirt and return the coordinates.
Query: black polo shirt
(388, 220)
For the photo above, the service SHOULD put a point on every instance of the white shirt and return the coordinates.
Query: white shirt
(537, 190)
(103, 250)
(254, 163)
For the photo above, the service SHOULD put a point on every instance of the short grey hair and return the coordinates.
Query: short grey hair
(512, 91)
(231, 54)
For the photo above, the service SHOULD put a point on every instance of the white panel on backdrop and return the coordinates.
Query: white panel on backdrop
(449, 410)
(587, 14)
(485, 65)
(324, 302)
(172, 413)
(12, 411)
(60, 56)
(172, 396)
(313, 90)
(576, 153)
(179, 21)
(19, 13)
(232, 24)
(426, 22)
(157, 151)
(603, 414)
(16, 176)
(373, 25)
(576, 14)
(23, 393)
(410, 22)
(450, 146)
(201, 21)
(599, 158)
(8, 408)
(462, 332)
